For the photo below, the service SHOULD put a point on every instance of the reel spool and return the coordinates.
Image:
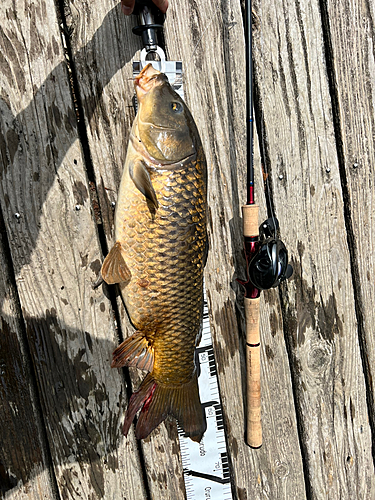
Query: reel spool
(269, 266)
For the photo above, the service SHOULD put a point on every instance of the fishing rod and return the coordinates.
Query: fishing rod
(266, 260)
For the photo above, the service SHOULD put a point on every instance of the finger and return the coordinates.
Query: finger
(127, 6)
(162, 5)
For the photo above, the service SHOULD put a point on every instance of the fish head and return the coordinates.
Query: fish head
(165, 125)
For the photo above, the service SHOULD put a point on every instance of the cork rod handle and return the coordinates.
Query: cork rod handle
(254, 422)
(250, 220)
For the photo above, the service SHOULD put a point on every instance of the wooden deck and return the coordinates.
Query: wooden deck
(61, 406)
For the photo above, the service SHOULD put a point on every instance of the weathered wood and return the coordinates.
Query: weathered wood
(56, 257)
(24, 469)
(97, 121)
(314, 410)
(213, 52)
(103, 47)
(319, 307)
(353, 68)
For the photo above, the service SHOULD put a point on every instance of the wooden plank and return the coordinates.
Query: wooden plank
(213, 52)
(56, 257)
(222, 302)
(24, 470)
(352, 44)
(318, 304)
(103, 47)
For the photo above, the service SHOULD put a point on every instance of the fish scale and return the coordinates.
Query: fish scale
(170, 268)
(206, 466)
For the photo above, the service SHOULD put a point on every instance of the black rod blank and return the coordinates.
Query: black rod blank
(249, 102)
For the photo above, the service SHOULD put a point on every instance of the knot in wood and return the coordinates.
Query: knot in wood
(281, 469)
(318, 357)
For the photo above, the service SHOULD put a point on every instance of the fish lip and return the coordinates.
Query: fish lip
(143, 82)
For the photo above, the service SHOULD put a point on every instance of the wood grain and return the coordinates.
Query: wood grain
(353, 71)
(318, 303)
(56, 256)
(316, 332)
(24, 470)
(199, 83)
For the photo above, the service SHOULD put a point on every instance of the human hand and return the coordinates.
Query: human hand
(128, 6)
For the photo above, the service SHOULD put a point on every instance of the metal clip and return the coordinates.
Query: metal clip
(173, 69)
(147, 29)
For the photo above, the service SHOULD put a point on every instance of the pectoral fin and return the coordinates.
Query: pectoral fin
(142, 180)
(114, 268)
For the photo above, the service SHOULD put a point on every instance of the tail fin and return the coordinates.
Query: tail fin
(159, 401)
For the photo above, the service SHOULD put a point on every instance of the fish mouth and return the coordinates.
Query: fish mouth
(147, 79)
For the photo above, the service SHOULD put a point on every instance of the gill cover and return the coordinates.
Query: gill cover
(165, 125)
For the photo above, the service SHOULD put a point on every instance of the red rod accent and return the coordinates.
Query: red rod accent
(250, 197)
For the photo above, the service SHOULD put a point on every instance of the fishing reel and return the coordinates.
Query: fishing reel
(268, 267)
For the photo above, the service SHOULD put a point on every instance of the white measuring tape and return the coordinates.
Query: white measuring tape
(205, 464)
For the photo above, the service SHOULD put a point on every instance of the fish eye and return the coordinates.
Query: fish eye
(176, 107)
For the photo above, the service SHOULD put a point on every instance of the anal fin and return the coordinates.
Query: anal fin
(134, 351)
(114, 268)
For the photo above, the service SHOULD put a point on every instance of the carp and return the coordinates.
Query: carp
(159, 255)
